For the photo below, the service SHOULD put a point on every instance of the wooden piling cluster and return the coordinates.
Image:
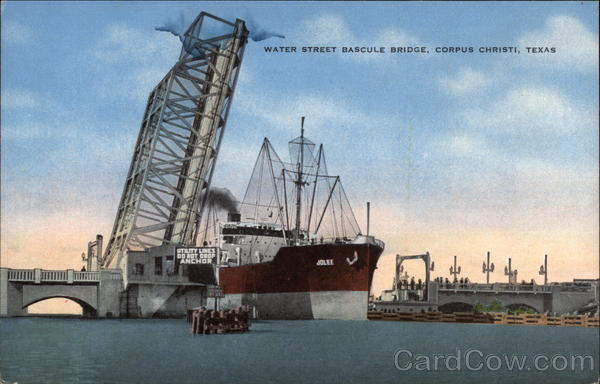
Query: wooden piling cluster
(205, 321)
(489, 318)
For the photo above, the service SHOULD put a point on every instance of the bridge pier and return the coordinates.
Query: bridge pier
(109, 290)
(566, 301)
(11, 297)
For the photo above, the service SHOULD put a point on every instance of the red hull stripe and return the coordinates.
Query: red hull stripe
(312, 268)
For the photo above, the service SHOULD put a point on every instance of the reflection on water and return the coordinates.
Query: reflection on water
(46, 350)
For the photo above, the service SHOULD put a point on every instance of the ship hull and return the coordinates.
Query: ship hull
(328, 305)
(325, 281)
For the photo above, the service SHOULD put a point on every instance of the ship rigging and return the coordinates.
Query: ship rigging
(298, 199)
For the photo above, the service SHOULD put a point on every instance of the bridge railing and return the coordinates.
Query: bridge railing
(110, 274)
(86, 276)
(54, 275)
(575, 288)
(21, 275)
(496, 287)
(68, 276)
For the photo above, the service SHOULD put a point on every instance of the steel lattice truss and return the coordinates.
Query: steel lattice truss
(179, 140)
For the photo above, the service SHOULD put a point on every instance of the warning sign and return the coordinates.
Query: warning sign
(196, 255)
(214, 291)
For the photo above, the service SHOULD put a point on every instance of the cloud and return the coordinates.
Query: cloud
(576, 45)
(143, 80)
(120, 42)
(520, 193)
(333, 121)
(16, 33)
(465, 82)
(395, 37)
(28, 130)
(20, 99)
(497, 177)
(333, 30)
(133, 58)
(462, 145)
(532, 110)
(27, 115)
(239, 154)
(327, 29)
(515, 162)
(284, 114)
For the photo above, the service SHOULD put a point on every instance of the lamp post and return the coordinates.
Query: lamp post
(84, 258)
(487, 268)
(400, 289)
(455, 271)
(544, 270)
(511, 273)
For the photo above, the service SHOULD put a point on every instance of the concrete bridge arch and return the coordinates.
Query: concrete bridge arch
(537, 302)
(86, 296)
(88, 309)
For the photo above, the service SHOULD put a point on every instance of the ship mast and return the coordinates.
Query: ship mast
(299, 183)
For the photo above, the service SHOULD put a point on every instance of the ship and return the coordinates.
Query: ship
(294, 250)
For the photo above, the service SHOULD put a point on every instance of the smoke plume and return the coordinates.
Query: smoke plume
(222, 198)
(178, 27)
(258, 33)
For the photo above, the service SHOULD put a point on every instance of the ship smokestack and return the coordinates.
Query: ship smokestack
(234, 217)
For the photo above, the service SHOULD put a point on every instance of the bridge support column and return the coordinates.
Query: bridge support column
(109, 291)
(432, 292)
(11, 296)
(565, 300)
(3, 292)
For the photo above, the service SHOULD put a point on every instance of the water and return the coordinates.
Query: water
(55, 350)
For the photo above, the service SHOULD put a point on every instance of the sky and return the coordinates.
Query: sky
(458, 153)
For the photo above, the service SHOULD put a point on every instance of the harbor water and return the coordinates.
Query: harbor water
(64, 350)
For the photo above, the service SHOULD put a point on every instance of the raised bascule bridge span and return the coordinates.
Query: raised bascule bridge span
(165, 192)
